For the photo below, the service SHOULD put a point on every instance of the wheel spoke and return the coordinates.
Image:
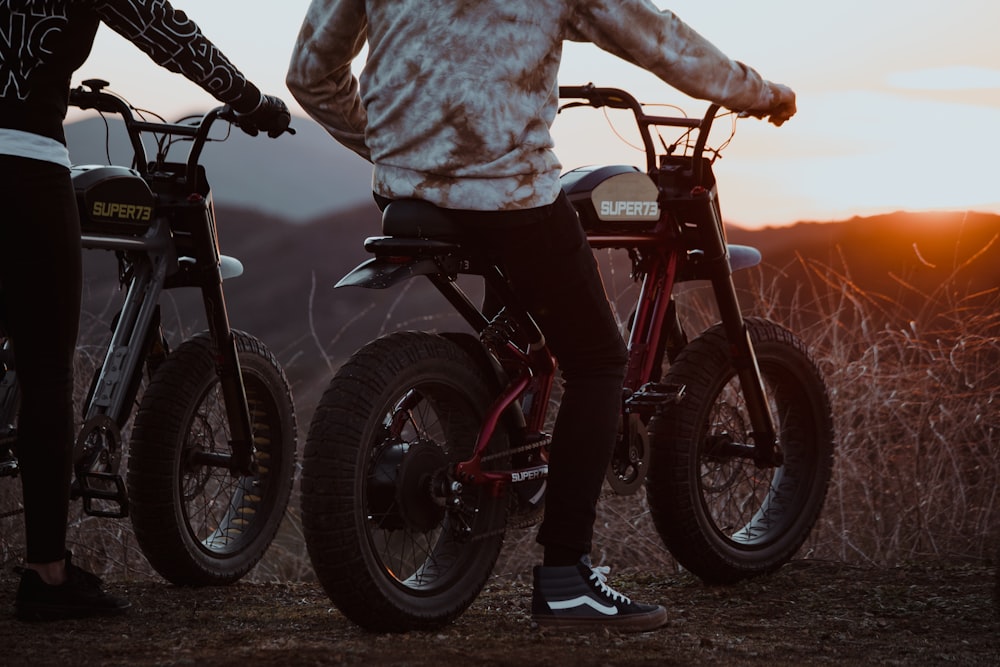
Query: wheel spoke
(722, 515)
(215, 525)
(376, 486)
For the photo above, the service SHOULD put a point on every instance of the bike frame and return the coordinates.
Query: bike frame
(183, 221)
(687, 242)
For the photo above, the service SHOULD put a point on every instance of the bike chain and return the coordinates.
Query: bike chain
(523, 523)
(518, 450)
(527, 522)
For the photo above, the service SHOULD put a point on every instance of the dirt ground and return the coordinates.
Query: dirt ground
(808, 613)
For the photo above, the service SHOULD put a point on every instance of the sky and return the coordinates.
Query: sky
(898, 101)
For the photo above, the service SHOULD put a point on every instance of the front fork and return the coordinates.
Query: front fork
(765, 452)
(227, 364)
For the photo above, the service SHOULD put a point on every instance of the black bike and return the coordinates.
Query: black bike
(211, 455)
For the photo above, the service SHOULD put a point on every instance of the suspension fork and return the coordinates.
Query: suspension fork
(742, 354)
(227, 361)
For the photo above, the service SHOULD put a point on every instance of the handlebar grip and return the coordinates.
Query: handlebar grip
(96, 98)
(227, 113)
(614, 98)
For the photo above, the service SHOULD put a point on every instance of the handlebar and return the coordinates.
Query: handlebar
(616, 98)
(92, 96)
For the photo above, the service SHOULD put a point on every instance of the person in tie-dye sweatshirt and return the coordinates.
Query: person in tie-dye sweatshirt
(454, 106)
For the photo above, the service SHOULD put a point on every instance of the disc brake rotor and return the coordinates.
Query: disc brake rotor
(628, 466)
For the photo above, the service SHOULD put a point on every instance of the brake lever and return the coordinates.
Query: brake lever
(571, 105)
(228, 114)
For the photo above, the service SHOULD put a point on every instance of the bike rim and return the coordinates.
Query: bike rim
(750, 507)
(222, 510)
(416, 542)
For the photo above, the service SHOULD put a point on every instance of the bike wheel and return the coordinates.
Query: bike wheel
(391, 547)
(721, 516)
(204, 525)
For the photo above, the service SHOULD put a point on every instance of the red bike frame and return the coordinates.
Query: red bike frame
(687, 241)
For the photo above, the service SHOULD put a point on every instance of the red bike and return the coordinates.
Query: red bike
(425, 447)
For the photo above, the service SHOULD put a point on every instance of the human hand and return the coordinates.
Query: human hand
(782, 105)
(271, 116)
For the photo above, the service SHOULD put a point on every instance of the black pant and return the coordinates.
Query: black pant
(546, 258)
(40, 286)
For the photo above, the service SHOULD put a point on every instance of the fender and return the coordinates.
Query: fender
(384, 272)
(743, 257)
(398, 258)
(739, 257)
(229, 267)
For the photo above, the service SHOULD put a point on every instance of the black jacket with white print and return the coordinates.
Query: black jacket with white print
(43, 42)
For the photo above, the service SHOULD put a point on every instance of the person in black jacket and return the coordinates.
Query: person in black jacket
(44, 43)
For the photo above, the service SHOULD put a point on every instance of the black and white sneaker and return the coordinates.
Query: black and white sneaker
(576, 597)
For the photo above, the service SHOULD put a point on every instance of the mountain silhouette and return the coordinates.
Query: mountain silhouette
(286, 295)
(909, 262)
(295, 177)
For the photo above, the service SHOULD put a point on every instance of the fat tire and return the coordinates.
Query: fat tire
(701, 526)
(357, 539)
(199, 525)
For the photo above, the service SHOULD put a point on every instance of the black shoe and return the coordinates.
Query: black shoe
(576, 597)
(79, 596)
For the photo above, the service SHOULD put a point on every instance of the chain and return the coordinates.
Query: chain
(528, 521)
(525, 522)
(543, 442)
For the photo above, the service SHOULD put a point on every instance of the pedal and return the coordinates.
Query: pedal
(8, 466)
(8, 461)
(117, 497)
(652, 397)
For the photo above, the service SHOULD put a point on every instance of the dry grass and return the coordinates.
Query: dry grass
(915, 398)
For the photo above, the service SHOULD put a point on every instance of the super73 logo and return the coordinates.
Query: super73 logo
(23, 37)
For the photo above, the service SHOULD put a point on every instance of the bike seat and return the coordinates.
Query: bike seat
(415, 218)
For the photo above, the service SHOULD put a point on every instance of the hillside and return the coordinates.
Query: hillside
(907, 256)
(294, 177)
(286, 294)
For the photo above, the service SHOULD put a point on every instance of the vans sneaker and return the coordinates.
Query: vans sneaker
(576, 597)
(78, 597)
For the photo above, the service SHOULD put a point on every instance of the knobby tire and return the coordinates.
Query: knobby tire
(198, 524)
(394, 418)
(721, 516)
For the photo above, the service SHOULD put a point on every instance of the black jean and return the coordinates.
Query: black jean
(546, 258)
(40, 287)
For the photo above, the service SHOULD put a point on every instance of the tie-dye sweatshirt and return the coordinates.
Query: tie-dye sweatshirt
(456, 98)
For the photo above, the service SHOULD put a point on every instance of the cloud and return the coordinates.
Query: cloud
(947, 78)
